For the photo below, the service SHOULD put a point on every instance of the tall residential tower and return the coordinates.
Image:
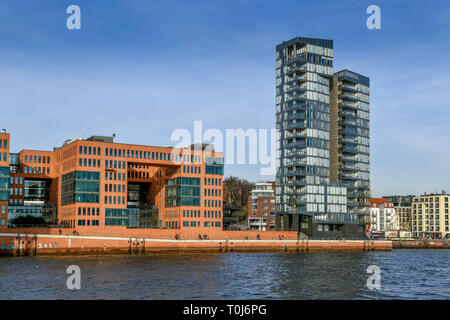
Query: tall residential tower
(311, 198)
(349, 139)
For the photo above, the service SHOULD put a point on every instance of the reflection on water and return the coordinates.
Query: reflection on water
(406, 274)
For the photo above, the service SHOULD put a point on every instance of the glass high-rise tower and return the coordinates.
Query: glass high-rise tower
(307, 199)
(350, 141)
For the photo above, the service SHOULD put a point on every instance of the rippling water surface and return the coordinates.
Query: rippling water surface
(405, 274)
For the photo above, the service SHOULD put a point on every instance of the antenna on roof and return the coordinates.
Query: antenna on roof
(4, 130)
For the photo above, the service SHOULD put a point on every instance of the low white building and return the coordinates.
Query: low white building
(383, 217)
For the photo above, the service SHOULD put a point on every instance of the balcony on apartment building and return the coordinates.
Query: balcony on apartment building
(348, 87)
(296, 107)
(302, 78)
(295, 125)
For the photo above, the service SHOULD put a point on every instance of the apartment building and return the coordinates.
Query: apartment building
(310, 197)
(350, 140)
(383, 217)
(96, 183)
(402, 205)
(261, 207)
(430, 216)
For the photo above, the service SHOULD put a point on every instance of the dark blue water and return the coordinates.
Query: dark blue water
(405, 274)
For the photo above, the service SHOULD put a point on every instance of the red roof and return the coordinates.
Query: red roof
(378, 201)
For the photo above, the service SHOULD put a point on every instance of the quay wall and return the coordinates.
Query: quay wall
(421, 244)
(22, 244)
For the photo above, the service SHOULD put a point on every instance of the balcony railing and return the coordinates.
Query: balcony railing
(296, 182)
(296, 125)
(297, 88)
(296, 116)
(299, 59)
(298, 172)
(296, 144)
(297, 107)
(296, 153)
(296, 79)
(296, 97)
(295, 134)
(347, 87)
(349, 105)
(348, 149)
(348, 96)
(291, 70)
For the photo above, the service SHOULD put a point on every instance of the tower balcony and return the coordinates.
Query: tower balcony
(295, 125)
(349, 176)
(296, 182)
(297, 107)
(296, 97)
(348, 88)
(351, 168)
(348, 96)
(301, 59)
(296, 144)
(296, 69)
(301, 134)
(296, 172)
(296, 116)
(299, 89)
(296, 79)
(299, 163)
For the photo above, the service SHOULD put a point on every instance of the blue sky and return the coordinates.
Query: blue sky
(141, 69)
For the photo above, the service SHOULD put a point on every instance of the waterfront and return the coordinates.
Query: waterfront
(405, 274)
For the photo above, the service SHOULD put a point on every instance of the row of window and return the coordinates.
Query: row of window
(83, 162)
(87, 211)
(5, 144)
(138, 175)
(172, 224)
(429, 211)
(429, 229)
(194, 224)
(37, 159)
(213, 203)
(192, 169)
(436, 199)
(213, 182)
(16, 180)
(114, 200)
(206, 214)
(88, 223)
(36, 170)
(110, 152)
(114, 188)
(15, 191)
(115, 164)
(213, 192)
(115, 176)
(4, 156)
(429, 222)
(431, 205)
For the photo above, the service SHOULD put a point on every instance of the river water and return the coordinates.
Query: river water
(405, 274)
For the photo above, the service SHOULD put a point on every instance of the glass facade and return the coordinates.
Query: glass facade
(36, 190)
(182, 192)
(351, 151)
(4, 183)
(116, 217)
(214, 165)
(80, 186)
(310, 195)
